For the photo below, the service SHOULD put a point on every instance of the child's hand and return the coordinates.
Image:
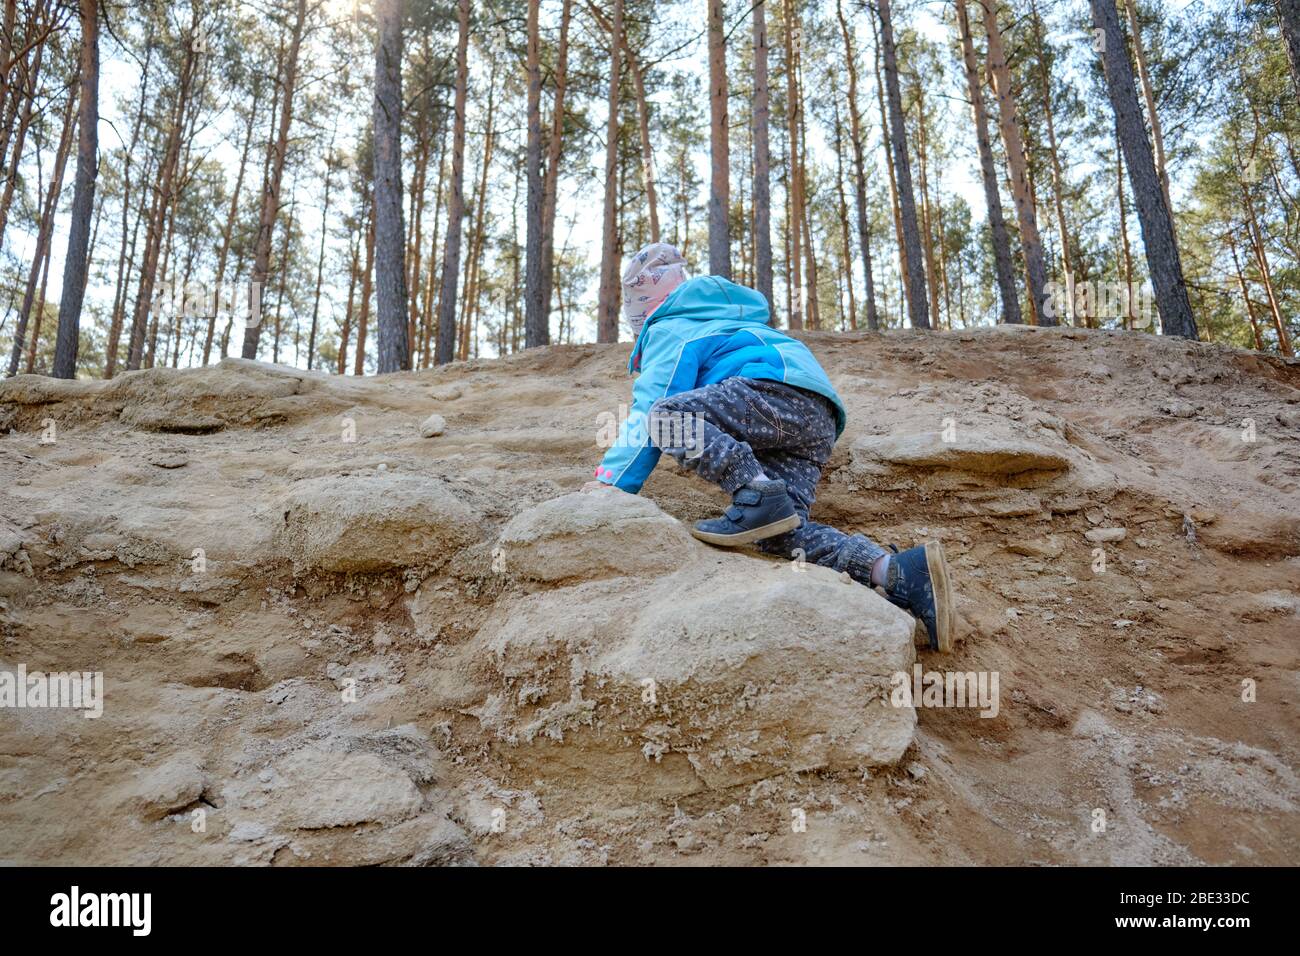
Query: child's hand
(597, 486)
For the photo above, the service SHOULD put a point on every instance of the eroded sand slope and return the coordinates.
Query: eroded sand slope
(418, 650)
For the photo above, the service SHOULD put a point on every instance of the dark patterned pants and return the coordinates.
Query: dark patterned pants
(754, 425)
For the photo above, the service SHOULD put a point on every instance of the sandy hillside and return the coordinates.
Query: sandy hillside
(408, 649)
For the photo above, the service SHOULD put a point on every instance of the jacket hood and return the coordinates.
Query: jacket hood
(705, 299)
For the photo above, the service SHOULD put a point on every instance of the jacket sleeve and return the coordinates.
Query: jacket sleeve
(666, 368)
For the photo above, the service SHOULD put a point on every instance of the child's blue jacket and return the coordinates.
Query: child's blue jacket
(707, 330)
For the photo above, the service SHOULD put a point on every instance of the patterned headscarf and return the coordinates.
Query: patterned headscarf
(650, 276)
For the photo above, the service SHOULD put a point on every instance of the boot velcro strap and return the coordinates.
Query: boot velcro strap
(734, 513)
(747, 496)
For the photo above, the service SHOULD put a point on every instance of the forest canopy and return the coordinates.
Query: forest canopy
(364, 186)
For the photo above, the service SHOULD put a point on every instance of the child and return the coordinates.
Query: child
(748, 408)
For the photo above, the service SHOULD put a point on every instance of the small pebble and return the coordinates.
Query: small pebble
(433, 425)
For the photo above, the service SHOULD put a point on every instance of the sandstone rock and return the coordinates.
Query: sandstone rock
(372, 522)
(172, 420)
(1099, 535)
(593, 534)
(1050, 546)
(168, 460)
(11, 542)
(1246, 532)
(970, 452)
(168, 787)
(163, 525)
(196, 401)
(725, 669)
(1000, 503)
(314, 789)
(248, 831)
(432, 426)
(446, 393)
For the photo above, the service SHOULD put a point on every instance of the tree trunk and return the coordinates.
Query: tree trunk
(1123, 235)
(6, 50)
(988, 173)
(812, 305)
(282, 270)
(363, 318)
(684, 204)
(345, 330)
(719, 149)
(44, 234)
(643, 124)
(1148, 94)
(177, 321)
(427, 320)
(785, 241)
(474, 265)
(1288, 18)
(1245, 293)
(943, 262)
(1058, 175)
(846, 258)
(183, 174)
(75, 271)
(125, 268)
(927, 214)
(748, 202)
(1265, 272)
(917, 304)
(1153, 215)
(647, 151)
(94, 238)
(1031, 245)
(536, 330)
(320, 255)
(516, 319)
(444, 350)
(607, 306)
(419, 190)
(391, 300)
(38, 312)
(119, 292)
(566, 332)
(889, 167)
(255, 300)
(762, 162)
(550, 184)
(859, 177)
(28, 95)
(227, 234)
(271, 188)
(794, 219)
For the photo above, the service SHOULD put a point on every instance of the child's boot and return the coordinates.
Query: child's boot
(760, 509)
(918, 581)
